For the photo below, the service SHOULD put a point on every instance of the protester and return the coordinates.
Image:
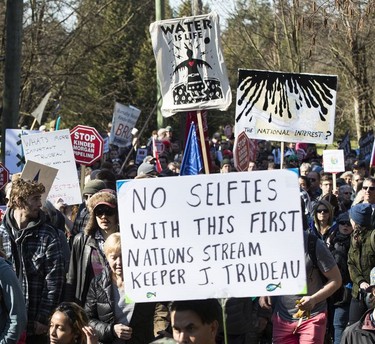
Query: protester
(69, 325)
(340, 301)
(195, 321)
(225, 166)
(114, 320)
(13, 316)
(361, 258)
(323, 225)
(87, 259)
(309, 325)
(34, 248)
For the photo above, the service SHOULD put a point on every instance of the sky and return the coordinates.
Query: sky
(219, 6)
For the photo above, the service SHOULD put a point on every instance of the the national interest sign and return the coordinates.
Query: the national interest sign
(221, 235)
(87, 144)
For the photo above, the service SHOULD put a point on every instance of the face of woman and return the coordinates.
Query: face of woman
(106, 217)
(115, 263)
(322, 213)
(345, 227)
(60, 331)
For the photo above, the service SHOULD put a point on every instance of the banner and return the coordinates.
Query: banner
(190, 64)
(212, 236)
(192, 159)
(123, 121)
(54, 149)
(286, 107)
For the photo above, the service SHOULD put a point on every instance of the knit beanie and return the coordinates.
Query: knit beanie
(361, 214)
(93, 186)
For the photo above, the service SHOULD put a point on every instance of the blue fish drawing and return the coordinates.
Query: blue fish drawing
(272, 287)
(150, 294)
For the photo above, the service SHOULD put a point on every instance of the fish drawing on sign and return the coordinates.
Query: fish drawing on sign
(284, 94)
(272, 287)
(196, 88)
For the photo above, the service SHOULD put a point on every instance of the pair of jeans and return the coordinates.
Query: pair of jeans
(309, 331)
(340, 320)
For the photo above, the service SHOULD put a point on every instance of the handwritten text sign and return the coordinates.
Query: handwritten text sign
(54, 149)
(221, 235)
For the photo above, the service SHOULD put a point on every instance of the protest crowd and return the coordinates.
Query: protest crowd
(62, 279)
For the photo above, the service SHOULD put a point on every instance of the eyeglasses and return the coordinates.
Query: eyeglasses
(370, 188)
(107, 211)
(325, 211)
(345, 223)
(346, 193)
(312, 179)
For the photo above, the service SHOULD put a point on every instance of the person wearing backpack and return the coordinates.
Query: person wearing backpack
(361, 258)
(303, 319)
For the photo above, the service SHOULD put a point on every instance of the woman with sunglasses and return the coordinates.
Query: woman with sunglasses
(69, 325)
(361, 257)
(323, 220)
(87, 258)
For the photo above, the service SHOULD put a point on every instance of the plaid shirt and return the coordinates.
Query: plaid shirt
(38, 261)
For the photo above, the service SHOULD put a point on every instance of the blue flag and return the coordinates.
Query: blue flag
(192, 160)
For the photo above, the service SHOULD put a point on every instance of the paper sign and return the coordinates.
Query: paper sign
(123, 121)
(333, 160)
(41, 174)
(54, 149)
(286, 106)
(212, 236)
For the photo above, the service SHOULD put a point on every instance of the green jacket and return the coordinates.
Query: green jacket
(361, 259)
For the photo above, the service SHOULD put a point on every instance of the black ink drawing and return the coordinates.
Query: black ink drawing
(284, 93)
(196, 88)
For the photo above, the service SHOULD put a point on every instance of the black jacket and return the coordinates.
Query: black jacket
(357, 334)
(80, 272)
(100, 311)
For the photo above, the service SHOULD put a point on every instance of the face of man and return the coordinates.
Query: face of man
(32, 206)
(369, 192)
(188, 328)
(326, 186)
(314, 180)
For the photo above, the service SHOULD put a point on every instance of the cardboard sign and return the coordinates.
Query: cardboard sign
(41, 174)
(54, 149)
(287, 107)
(333, 160)
(212, 236)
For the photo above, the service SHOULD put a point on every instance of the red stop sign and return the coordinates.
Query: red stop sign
(4, 175)
(87, 144)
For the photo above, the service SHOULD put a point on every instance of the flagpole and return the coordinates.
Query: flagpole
(32, 125)
(203, 142)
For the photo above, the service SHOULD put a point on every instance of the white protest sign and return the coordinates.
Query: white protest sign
(333, 160)
(212, 236)
(123, 121)
(190, 64)
(286, 107)
(54, 149)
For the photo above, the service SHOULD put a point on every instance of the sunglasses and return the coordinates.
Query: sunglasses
(370, 188)
(344, 223)
(312, 179)
(346, 193)
(107, 211)
(325, 211)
